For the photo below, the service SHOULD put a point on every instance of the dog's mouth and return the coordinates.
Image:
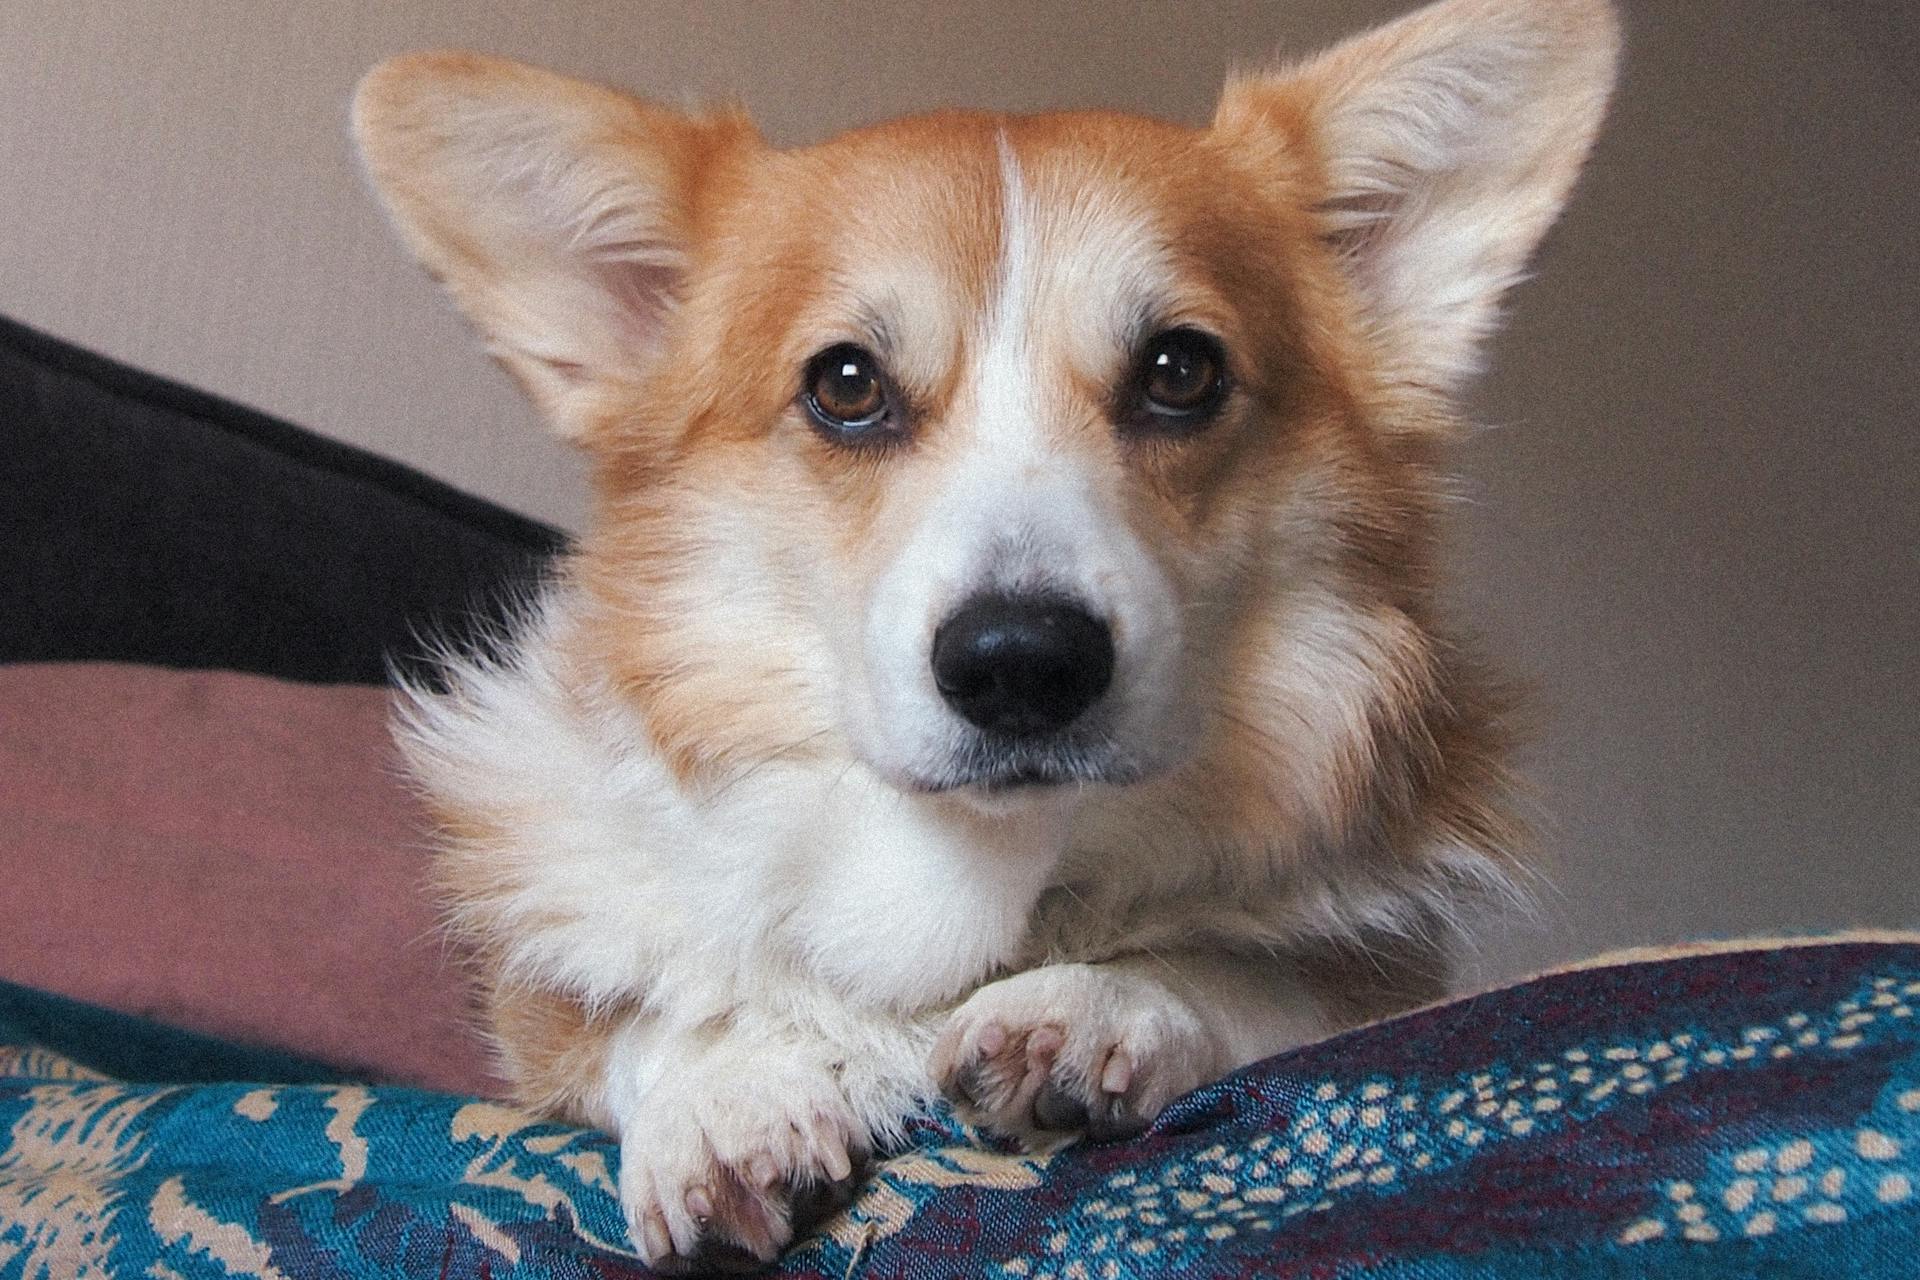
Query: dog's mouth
(1005, 767)
(1019, 779)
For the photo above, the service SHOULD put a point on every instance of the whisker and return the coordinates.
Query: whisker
(1142, 946)
(758, 765)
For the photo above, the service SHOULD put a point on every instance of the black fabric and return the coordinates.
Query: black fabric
(141, 521)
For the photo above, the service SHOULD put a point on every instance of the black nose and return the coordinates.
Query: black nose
(1022, 665)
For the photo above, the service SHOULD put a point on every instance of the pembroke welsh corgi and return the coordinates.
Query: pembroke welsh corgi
(1002, 661)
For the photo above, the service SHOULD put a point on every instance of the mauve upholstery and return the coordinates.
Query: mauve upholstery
(228, 853)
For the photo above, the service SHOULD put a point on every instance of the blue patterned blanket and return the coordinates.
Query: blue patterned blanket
(1749, 1113)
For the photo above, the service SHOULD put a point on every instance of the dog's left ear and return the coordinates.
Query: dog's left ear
(558, 213)
(1442, 146)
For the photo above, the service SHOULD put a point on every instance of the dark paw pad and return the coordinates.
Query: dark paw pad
(1064, 1109)
(819, 1201)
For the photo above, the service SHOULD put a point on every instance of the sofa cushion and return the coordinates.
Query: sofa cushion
(142, 521)
(228, 853)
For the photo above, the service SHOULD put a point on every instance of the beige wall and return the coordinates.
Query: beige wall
(1696, 529)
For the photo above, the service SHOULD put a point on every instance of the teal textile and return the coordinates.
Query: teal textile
(1748, 1113)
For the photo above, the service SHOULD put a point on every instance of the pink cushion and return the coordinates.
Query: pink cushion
(228, 853)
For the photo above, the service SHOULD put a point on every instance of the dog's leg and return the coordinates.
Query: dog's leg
(1102, 1048)
(729, 1140)
(733, 1138)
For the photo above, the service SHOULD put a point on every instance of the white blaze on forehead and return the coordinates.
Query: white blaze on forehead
(1081, 269)
(1078, 271)
(1005, 381)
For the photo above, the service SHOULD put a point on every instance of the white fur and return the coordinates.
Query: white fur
(1097, 1013)
(816, 869)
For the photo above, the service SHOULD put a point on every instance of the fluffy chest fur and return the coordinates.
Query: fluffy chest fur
(615, 881)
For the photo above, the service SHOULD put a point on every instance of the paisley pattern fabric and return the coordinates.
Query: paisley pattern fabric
(1741, 1113)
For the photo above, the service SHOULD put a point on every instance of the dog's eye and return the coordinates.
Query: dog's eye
(845, 391)
(1181, 378)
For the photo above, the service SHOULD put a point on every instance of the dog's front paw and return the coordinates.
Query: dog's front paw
(1070, 1048)
(720, 1167)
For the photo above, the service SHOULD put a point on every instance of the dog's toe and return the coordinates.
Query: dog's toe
(1069, 1049)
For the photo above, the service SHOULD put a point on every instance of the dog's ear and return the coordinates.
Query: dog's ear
(1441, 147)
(556, 212)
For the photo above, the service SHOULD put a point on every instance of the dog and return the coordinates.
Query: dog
(1003, 660)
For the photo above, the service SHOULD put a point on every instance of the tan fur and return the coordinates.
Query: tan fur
(1334, 794)
(554, 1049)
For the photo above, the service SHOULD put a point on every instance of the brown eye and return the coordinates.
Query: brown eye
(845, 392)
(1182, 378)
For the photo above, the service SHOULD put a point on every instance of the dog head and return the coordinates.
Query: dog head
(1003, 452)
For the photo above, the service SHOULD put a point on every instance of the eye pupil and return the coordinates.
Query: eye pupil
(1178, 375)
(1183, 375)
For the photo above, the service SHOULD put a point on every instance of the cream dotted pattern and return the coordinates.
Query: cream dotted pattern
(1379, 1137)
(1758, 1190)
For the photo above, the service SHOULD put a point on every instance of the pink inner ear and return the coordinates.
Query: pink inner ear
(1358, 220)
(572, 371)
(642, 291)
(609, 321)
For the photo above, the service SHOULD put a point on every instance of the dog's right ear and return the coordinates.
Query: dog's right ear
(556, 212)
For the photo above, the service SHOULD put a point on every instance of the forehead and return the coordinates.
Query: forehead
(918, 234)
